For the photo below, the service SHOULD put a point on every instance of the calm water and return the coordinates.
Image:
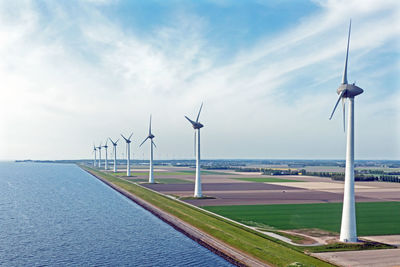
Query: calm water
(57, 214)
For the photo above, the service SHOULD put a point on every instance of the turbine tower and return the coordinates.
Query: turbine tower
(197, 126)
(99, 148)
(128, 154)
(150, 136)
(115, 153)
(348, 231)
(106, 160)
(94, 151)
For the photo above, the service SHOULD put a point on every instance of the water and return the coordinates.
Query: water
(57, 214)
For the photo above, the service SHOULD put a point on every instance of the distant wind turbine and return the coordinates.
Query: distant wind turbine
(348, 231)
(150, 136)
(197, 126)
(115, 153)
(99, 148)
(106, 160)
(128, 154)
(95, 152)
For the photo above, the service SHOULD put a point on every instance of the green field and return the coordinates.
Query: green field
(265, 248)
(266, 180)
(160, 181)
(373, 218)
(173, 181)
(164, 173)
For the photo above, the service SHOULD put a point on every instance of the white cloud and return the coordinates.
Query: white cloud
(84, 78)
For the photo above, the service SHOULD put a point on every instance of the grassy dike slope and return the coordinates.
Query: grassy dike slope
(252, 243)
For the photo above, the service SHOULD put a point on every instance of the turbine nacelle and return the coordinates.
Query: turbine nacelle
(349, 90)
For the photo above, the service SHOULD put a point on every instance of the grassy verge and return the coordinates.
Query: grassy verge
(251, 242)
(159, 181)
(373, 218)
(164, 173)
(267, 180)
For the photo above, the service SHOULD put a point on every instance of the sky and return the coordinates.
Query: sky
(74, 73)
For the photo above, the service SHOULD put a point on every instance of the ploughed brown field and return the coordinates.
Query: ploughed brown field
(226, 189)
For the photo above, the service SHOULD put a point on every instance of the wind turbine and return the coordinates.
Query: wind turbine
(106, 163)
(99, 148)
(348, 231)
(94, 150)
(115, 153)
(150, 136)
(197, 126)
(128, 153)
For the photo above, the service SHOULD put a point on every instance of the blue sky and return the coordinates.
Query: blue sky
(76, 72)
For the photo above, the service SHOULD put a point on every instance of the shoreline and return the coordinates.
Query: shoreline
(219, 248)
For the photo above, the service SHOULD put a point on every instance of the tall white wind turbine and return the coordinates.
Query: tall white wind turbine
(99, 148)
(106, 160)
(150, 136)
(348, 231)
(197, 126)
(115, 153)
(95, 152)
(128, 154)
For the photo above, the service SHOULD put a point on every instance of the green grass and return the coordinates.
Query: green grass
(193, 172)
(160, 181)
(173, 181)
(373, 218)
(267, 180)
(249, 241)
(166, 173)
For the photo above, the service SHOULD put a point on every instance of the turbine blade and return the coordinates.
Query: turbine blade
(337, 102)
(344, 80)
(144, 141)
(344, 113)
(198, 115)
(126, 140)
(117, 141)
(153, 144)
(150, 126)
(192, 122)
(111, 140)
(130, 136)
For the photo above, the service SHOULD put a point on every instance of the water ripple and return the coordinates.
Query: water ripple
(57, 214)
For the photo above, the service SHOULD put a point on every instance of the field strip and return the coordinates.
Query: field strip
(320, 185)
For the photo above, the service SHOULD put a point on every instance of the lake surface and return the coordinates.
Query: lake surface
(57, 214)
